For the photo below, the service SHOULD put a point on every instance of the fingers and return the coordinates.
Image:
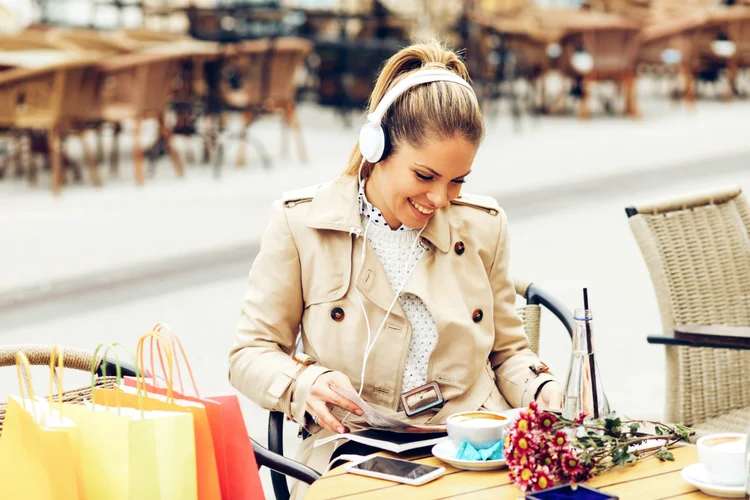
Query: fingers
(337, 399)
(325, 418)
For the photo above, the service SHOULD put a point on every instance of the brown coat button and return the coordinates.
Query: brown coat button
(337, 314)
(459, 247)
(477, 316)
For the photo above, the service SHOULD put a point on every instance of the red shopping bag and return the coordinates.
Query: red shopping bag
(235, 459)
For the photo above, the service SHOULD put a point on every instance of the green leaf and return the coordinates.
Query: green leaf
(664, 454)
(634, 428)
(659, 431)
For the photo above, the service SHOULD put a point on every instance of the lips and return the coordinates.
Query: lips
(421, 208)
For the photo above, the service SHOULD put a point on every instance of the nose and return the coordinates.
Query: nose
(438, 197)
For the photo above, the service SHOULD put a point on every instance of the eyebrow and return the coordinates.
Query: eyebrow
(437, 174)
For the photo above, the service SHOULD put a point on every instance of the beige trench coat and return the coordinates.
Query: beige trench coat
(305, 281)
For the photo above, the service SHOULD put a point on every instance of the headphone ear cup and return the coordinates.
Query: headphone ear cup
(371, 142)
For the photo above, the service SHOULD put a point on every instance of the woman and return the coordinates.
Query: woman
(428, 297)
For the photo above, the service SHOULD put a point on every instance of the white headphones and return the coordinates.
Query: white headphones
(372, 138)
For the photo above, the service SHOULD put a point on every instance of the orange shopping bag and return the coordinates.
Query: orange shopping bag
(38, 454)
(207, 471)
(235, 458)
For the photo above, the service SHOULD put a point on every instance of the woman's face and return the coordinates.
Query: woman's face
(409, 185)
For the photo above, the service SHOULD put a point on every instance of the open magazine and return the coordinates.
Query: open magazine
(379, 421)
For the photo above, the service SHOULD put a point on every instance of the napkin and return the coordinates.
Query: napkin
(468, 452)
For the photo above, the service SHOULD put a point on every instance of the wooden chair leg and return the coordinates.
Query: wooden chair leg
(55, 158)
(166, 134)
(91, 157)
(294, 122)
(114, 152)
(138, 156)
(247, 118)
(631, 98)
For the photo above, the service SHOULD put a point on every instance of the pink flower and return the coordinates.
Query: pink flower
(524, 423)
(522, 443)
(543, 479)
(560, 440)
(545, 458)
(523, 478)
(546, 421)
(571, 465)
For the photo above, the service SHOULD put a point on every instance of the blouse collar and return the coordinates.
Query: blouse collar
(373, 214)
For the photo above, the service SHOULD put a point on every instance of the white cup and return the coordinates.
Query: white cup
(481, 429)
(723, 457)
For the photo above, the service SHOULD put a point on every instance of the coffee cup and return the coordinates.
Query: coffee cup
(723, 458)
(481, 429)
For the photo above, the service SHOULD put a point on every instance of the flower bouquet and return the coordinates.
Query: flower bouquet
(543, 449)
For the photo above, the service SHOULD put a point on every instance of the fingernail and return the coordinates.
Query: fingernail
(341, 430)
(359, 412)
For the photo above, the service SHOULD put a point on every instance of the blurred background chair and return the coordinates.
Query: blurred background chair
(45, 103)
(697, 250)
(530, 313)
(135, 86)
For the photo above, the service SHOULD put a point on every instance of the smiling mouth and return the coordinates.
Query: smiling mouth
(420, 208)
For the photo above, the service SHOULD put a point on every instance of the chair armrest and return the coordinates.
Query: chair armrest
(698, 340)
(536, 295)
(283, 465)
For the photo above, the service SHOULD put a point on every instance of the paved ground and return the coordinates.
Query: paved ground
(96, 265)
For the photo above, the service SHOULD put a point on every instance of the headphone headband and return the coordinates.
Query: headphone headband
(372, 137)
(417, 78)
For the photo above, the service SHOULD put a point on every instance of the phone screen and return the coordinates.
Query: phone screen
(398, 468)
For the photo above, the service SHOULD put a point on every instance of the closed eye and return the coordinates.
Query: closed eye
(423, 177)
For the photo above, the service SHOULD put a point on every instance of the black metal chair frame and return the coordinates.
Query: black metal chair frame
(534, 296)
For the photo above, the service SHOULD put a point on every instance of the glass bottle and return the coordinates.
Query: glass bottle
(584, 391)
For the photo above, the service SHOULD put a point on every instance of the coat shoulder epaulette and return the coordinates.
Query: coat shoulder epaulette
(484, 203)
(294, 197)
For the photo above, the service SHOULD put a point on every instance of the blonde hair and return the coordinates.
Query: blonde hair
(438, 110)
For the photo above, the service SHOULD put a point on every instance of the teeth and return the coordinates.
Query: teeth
(421, 208)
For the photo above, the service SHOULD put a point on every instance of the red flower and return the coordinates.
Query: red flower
(545, 458)
(546, 421)
(522, 443)
(523, 424)
(571, 465)
(560, 440)
(523, 478)
(580, 418)
(543, 479)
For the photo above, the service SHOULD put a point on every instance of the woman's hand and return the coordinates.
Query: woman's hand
(550, 396)
(322, 396)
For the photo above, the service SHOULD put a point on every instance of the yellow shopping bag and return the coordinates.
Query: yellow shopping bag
(134, 454)
(38, 448)
(207, 471)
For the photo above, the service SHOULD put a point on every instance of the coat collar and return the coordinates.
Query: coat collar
(335, 207)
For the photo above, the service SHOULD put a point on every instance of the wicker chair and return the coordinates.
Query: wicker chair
(531, 314)
(697, 249)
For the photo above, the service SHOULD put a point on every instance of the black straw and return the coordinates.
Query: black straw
(590, 350)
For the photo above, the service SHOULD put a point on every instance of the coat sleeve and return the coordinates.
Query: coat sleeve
(261, 365)
(511, 359)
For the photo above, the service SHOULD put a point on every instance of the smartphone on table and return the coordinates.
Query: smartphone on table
(394, 469)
